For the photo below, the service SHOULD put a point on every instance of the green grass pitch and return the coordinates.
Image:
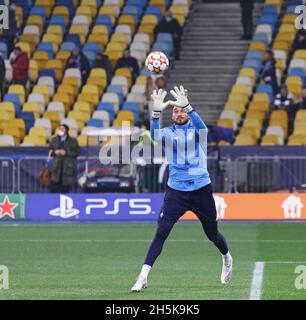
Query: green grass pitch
(101, 261)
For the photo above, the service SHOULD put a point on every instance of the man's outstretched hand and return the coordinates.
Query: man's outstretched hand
(181, 96)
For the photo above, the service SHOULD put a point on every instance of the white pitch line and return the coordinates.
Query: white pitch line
(147, 240)
(257, 280)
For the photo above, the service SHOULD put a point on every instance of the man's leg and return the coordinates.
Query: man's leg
(205, 209)
(174, 207)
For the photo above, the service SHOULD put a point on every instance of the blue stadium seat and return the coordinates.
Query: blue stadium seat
(39, 11)
(254, 54)
(48, 73)
(290, 9)
(267, 88)
(75, 38)
(134, 11)
(68, 46)
(98, 123)
(92, 46)
(29, 119)
(261, 37)
(164, 37)
(46, 46)
(138, 3)
(299, 72)
(90, 55)
(105, 20)
(151, 9)
(134, 107)
(293, 3)
(270, 9)
(14, 98)
(3, 50)
(58, 20)
(163, 46)
(107, 106)
(116, 89)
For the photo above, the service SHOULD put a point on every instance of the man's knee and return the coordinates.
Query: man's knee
(163, 229)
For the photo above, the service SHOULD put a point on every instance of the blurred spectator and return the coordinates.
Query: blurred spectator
(247, 7)
(284, 99)
(127, 61)
(102, 61)
(171, 25)
(2, 76)
(78, 60)
(269, 71)
(65, 151)
(302, 104)
(154, 82)
(20, 63)
(300, 42)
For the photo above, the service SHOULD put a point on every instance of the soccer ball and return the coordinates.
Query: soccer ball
(157, 62)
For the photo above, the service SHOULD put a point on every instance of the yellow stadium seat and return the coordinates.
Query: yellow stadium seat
(149, 19)
(19, 16)
(237, 106)
(55, 39)
(122, 123)
(48, 5)
(9, 108)
(261, 96)
(178, 10)
(82, 140)
(62, 11)
(124, 72)
(299, 130)
(245, 140)
(82, 107)
(279, 114)
(269, 140)
(299, 54)
(38, 132)
(79, 30)
(68, 89)
(287, 27)
(121, 38)
(108, 11)
(148, 29)
(98, 73)
(252, 123)
(141, 80)
(226, 123)
(88, 11)
(14, 132)
(160, 3)
(55, 29)
(44, 90)
(289, 18)
(5, 117)
(250, 131)
(128, 20)
(36, 21)
(72, 81)
(57, 66)
(35, 140)
(254, 114)
(126, 115)
(41, 57)
(79, 117)
(33, 70)
(115, 46)
(259, 106)
(241, 89)
(180, 19)
(91, 90)
(65, 99)
(100, 83)
(18, 89)
(63, 56)
(296, 140)
(54, 117)
(247, 72)
(19, 124)
(287, 37)
(30, 39)
(281, 45)
(100, 29)
(300, 115)
(242, 98)
(258, 45)
(92, 100)
(101, 40)
(113, 56)
(32, 107)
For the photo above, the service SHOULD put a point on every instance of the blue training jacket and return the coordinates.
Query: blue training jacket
(186, 151)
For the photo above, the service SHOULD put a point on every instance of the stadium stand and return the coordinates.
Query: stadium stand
(249, 109)
(49, 32)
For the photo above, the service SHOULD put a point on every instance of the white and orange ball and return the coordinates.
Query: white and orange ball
(157, 62)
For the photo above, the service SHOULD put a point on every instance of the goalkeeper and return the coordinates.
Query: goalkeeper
(189, 185)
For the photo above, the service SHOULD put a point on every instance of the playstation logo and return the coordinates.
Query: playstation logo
(65, 209)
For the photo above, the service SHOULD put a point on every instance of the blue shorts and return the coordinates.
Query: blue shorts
(200, 201)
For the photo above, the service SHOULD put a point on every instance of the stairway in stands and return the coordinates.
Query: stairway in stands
(211, 56)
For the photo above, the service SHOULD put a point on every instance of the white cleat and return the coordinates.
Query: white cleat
(141, 283)
(227, 270)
